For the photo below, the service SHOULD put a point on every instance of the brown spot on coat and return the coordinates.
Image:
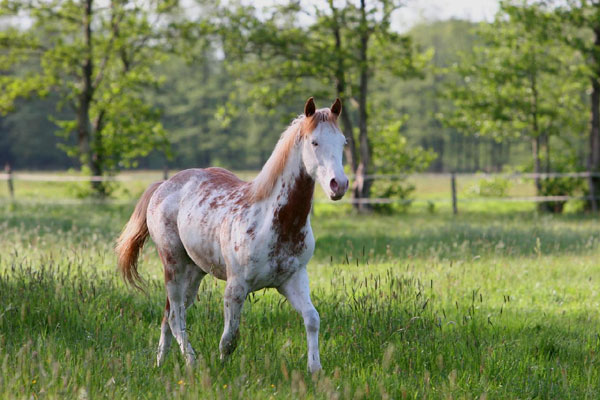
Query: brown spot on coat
(169, 274)
(167, 310)
(289, 220)
(168, 260)
(167, 257)
(251, 231)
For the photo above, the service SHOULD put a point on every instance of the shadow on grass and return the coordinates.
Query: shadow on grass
(447, 238)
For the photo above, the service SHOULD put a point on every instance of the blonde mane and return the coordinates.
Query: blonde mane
(300, 128)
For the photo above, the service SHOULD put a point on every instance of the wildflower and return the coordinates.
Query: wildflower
(225, 386)
(180, 382)
(34, 381)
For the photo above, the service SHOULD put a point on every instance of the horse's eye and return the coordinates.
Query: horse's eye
(314, 143)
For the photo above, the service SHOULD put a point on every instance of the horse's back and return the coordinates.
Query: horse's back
(203, 182)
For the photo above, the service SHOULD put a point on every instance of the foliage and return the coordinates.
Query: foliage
(337, 53)
(99, 61)
(492, 187)
(392, 156)
(421, 100)
(581, 33)
(521, 82)
(518, 73)
(561, 186)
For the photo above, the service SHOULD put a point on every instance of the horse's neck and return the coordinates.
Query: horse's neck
(292, 197)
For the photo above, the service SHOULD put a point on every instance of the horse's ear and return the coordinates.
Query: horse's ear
(336, 107)
(309, 107)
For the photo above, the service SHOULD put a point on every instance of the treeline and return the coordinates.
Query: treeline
(207, 122)
(148, 84)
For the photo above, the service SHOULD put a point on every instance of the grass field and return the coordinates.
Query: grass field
(496, 304)
(432, 191)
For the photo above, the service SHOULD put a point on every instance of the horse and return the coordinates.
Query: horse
(253, 235)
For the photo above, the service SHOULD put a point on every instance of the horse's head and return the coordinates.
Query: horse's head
(322, 148)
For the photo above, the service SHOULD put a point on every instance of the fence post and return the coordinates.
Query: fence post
(9, 180)
(453, 184)
(165, 172)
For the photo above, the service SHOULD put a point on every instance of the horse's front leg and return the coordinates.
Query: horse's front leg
(296, 290)
(233, 300)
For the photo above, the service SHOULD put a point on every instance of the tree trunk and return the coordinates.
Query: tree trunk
(547, 150)
(535, 151)
(497, 155)
(476, 163)
(362, 184)
(340, 86)
(594, 155)
(535, 142)
(87, 151)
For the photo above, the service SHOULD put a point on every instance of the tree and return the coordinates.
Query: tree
(421, 101)
(343, 48)
(520, 82)
(98, 57)
(582, 33)
(392, 156)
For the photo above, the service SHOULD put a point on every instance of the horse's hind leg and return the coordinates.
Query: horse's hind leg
(233, 300)
(182, 278)
(166, 336)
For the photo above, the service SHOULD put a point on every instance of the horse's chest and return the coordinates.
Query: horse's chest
(280, 259)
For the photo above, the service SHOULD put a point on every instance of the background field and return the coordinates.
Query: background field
(422, 305)
(432, 192)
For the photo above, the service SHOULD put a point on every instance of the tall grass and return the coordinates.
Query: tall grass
(415, 306)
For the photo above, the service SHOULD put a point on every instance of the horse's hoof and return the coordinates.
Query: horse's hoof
(315, 368)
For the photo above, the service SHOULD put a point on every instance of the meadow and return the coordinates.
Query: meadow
(497, 303)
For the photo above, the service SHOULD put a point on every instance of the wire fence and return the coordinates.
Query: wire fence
(10, 177)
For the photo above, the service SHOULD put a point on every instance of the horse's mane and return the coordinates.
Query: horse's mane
(300, 128)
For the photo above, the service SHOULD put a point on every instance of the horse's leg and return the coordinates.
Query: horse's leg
(296, 290)
(195, 275)
(166, 336)
(233, 300)
(194, 278)
(181, 290)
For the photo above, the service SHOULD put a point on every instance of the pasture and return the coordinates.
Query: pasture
(482, 305)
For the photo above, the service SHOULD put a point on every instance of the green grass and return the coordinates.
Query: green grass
(482, 305)
(432, 192)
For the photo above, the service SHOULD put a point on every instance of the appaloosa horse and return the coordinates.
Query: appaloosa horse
(252, 234)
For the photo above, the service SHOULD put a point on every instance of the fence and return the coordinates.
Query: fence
(10, 177)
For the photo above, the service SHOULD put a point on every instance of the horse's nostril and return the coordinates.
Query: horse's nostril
(333, 185)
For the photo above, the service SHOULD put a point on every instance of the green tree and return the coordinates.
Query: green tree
(421, 100)
(337, 54)
(392, 156)
(98, 57)
(521, 82)
(581, 32)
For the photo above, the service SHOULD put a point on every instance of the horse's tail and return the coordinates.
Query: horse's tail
(132, 239)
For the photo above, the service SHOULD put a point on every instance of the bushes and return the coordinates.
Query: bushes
(492, 187)
(393, 156)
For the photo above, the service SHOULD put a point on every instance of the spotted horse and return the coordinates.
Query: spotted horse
(253, 235)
